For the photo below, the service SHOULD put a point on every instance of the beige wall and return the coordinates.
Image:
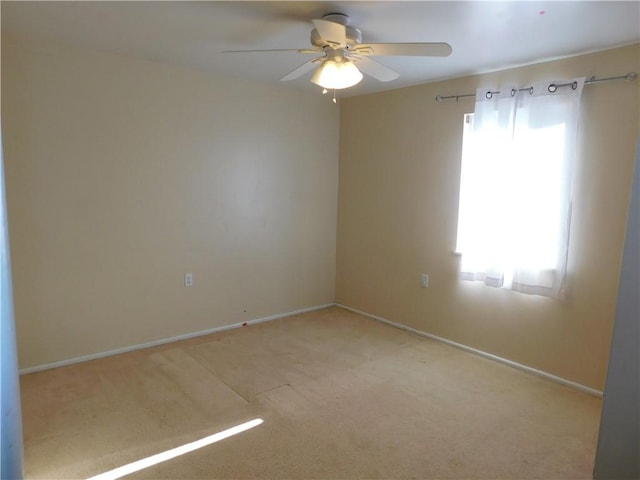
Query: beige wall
(124, 174)
(398, 197)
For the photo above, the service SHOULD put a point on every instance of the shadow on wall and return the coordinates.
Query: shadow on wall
(11, 462)
(618, 453)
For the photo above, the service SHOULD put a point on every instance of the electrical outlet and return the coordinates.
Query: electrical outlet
(425, 280)
(188, 279)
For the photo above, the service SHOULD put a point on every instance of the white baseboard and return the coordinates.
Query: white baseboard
(162, 341)
(490, 356)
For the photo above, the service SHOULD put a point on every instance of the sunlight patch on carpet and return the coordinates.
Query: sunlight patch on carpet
(175, 452)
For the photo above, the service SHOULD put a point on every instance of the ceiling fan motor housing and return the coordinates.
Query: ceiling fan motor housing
(353, 35)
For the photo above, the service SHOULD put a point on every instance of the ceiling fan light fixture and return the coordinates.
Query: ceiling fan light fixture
(336, 75)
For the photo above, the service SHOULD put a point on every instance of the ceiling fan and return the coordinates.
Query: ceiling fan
(342, 55)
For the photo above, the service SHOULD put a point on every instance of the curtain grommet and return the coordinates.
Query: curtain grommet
(552, 88)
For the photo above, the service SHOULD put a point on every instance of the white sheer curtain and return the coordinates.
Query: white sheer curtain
(515, 189)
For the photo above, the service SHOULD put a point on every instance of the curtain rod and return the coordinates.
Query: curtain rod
(628, 77)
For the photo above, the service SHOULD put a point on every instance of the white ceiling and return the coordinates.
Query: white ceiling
(485, 36)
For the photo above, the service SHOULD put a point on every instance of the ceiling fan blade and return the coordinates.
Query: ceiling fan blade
(301, 70)
(375, 70)
(404, 49)
(333, 33)
(297, 50)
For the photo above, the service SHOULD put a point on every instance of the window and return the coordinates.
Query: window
(515, 187)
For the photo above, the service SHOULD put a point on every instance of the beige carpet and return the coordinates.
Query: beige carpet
(341, 396)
